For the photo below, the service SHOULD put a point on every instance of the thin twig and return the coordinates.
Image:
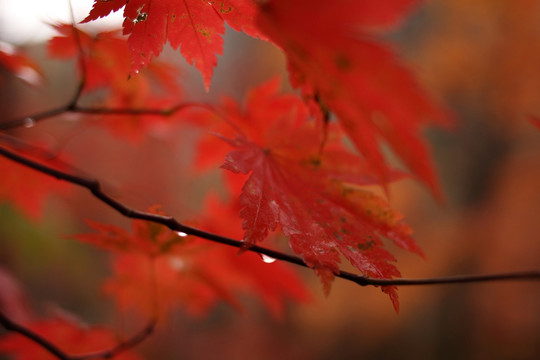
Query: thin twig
(95, 188)
(123, 346)
(77, 109)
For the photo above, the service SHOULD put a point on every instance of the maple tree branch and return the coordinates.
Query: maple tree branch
(10, 325)
(94, 187)
(136, 339)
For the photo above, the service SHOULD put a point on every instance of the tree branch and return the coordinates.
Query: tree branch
(94, 187)
(136, 339)
(10, 325)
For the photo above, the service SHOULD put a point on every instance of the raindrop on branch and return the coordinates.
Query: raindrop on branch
(267, 259)
(29, 122)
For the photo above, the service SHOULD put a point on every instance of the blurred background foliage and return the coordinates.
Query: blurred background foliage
(478, 57)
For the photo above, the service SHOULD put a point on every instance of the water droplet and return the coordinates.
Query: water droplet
(29, 122)
(267, 259)
(182, 234)
(141, 15)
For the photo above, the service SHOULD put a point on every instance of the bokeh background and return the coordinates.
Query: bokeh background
(480, 58)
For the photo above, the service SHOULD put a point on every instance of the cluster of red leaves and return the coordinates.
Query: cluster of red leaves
(313, 194)
(346, 70)
(156, 266)
(300, 178)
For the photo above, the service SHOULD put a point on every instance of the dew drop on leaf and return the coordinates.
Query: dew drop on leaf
(182, 234)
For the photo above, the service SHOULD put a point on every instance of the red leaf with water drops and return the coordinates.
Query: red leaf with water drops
(194, 26)
(335, 60)
(271, 280)
(317, 202)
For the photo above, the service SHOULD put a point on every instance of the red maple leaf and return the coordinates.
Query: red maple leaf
(315, 197)
(71, 337)
(106, 58)
(335, 60)
(193, 25)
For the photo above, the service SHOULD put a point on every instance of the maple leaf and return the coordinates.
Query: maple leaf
(20, 65)
(318, 204)
(335, 61)
(72, 337)
(193, 25)
(106, 56)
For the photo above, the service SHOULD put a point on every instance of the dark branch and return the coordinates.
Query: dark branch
(10, 325)
(94, 187)
(130, 343)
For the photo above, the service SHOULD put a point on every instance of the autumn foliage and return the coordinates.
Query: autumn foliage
(297, 169)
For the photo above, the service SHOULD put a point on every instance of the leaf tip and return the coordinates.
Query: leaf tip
(327, 277)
